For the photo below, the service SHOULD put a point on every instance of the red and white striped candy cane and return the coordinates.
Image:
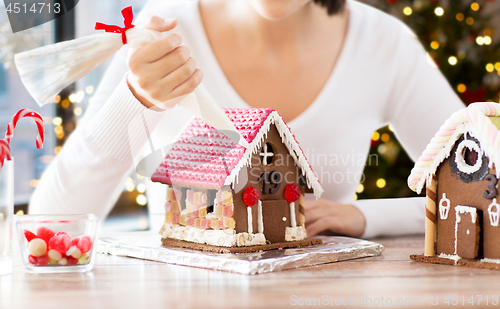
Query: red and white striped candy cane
(33, 115)
(4, 152)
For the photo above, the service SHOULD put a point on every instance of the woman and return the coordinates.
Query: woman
(335, 71)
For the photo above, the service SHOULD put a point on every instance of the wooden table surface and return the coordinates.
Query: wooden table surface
(389, 279)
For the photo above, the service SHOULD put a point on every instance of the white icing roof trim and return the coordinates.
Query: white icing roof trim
(293, 147)
(473, 119)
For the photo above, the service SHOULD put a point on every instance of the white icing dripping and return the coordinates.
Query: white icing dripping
(460, 210)
(292, 146)
(260, 222)
(429, 180)
(250, 223)
(292, 214)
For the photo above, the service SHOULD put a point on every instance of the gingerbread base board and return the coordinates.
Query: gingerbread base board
(204, 247)
(461, 262)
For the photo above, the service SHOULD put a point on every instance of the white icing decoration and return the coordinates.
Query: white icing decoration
(486, 260)
(265, 154)
(223, 238)
(460, 160)
(289, 141)
(250, 223)
(444, 209)
(295, 233)
(493, 214)
(473, 120)
(451, 257)
(292, 214)
(260, 222)
(460, 210)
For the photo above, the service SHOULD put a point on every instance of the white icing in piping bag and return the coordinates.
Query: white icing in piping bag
(207, 109)
(47, 70)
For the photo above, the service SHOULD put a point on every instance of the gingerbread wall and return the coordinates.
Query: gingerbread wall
(465, 194)
(275, 207)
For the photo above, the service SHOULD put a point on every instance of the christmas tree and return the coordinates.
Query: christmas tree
(458, 37)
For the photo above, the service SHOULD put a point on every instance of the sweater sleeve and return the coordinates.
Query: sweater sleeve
(87, 175)
(389, 217)
(421, 100)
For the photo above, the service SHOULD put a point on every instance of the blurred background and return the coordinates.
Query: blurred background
(461, 37)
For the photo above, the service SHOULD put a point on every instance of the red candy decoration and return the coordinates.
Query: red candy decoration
(43, 260)
(251, 196)
(29, 235)
(292, 192)
(84, 244)
(45, 233)
(60, 243)
(33, 260)
(36, 118)
(72, 260)
(74, 242)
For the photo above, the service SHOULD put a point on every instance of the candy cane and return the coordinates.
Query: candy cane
(4, 152)
(33, 115)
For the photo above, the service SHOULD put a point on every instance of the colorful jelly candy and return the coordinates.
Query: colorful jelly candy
(37, 247)
(85, 244)
(43, 260)
(55, 255)
(45, 233)
(57, 249)
(60, 243)
(29, 235)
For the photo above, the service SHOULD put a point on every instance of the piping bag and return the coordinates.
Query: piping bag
(47, 70)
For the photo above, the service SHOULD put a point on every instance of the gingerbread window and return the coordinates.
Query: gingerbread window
(467, 159)
(267, 154)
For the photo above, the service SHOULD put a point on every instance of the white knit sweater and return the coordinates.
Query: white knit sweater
(382, 77)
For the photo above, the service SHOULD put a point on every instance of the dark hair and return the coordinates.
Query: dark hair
(332, 6)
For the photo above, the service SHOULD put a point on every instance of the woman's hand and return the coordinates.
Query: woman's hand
(162, 69)
(341, 219)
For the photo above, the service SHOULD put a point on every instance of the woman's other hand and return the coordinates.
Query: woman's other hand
(341, 219)
(162, 70)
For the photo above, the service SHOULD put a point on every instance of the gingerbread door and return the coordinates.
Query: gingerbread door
(275, 214)
(467, 232)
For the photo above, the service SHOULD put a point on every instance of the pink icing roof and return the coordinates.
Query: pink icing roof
(473, 118)
(205, 157)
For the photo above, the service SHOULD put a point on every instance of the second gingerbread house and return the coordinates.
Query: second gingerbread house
(460, 169)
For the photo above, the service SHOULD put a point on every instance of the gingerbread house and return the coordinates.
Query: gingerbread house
(459, 170)
(221, 194)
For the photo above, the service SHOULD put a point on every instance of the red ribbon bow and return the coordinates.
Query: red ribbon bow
(128, 15)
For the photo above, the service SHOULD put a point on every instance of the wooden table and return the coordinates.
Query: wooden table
(118, 282)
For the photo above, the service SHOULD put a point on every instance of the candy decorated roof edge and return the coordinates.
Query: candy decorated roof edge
(473, 119)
